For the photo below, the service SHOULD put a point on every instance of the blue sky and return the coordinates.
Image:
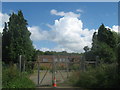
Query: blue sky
(38, 14)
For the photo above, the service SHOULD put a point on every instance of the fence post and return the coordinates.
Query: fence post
(80, 63)
(24, 66)
(52, 72)
(53, 68)
(67, 67)
(24, 63)
(97, 59)
(38, 71)
(20, 62)
(83, 63)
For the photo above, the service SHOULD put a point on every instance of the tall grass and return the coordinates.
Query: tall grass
(12, 78)
(103, 76)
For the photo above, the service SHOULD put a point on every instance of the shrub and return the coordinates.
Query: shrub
(75, 67)
(103, 76)
(12, 78)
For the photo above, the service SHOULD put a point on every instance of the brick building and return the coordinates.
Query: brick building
(61, 60)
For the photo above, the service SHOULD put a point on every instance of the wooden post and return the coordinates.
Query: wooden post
(54, 68)
(97, 58)
(67, 67)
(80, 63)
(53, 71)
(24, 66)
(20, 62)
(38, 71)
(83, 63)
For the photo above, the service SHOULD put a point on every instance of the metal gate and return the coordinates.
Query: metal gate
(59, 68)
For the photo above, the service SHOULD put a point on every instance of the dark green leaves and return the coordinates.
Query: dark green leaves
(16, 39)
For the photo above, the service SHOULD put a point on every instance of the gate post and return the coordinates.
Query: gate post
(24, 66)
(83, 63)
(53, 69)
(97, 59)
(67, 67)
(38, 71)
(20, 62)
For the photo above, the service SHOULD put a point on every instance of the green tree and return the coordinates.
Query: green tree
(5, 43)
(94, 41)
(104, 44)
(107, 36)
(118, 55)
(18, 38)
(105, 52)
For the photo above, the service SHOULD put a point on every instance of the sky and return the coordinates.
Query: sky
(63, 26)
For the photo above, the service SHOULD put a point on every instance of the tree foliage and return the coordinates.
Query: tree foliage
(16, 39)
(104, 44)
(107, 36)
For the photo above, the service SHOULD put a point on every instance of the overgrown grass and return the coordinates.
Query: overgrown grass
(12, 78)
(103, 76)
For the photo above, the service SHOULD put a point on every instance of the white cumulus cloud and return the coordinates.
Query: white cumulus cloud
(67, 32)
(79, 10)
(4, 18)
(114, 28)
(71, 14)
(37, 33)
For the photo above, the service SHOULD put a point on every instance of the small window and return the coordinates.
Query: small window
(45, 60)
(55, 59)
(63, 59)
(60, 60)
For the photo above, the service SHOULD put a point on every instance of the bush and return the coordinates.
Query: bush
(12, 78)
(103, 76)
(73, 78)
(74, 67)
(29, 67)
(21, 82)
